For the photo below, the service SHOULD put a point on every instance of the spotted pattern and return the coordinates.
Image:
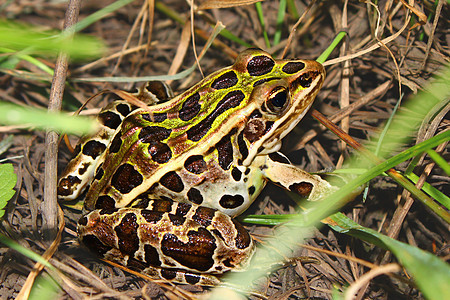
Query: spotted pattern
(229, 101)
(160, 152)
(126, 178)
(293, 67)
(116, 143)
(126, 232)
(301, 188)
(190, 108)
(231, 201)
(151, 255)
(154, 117)
(67, 185)
(110, 119)
(225, 81)
(123, 109)
(195, 196)
(105, 202)
(260, 65)
(172, 181)
(93, 148)
(236, 174)
(195, 164)
(197, 253)
(225, 152)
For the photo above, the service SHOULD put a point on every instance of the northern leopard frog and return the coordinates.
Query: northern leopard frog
(167, 180)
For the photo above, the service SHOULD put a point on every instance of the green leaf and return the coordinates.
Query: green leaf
(8, 180)
(17, 115)
(430, 273)
(22, 37)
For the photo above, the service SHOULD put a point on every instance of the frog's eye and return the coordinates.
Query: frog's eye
(278, 100)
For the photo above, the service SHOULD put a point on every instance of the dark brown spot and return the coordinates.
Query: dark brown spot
(225, 152)
(225, 81)
(190, 107)
(135, 265)
(116, 143)
(159, 89)
(108, 211)
(304, 80)
(95, 245)
(99, 173)
(110, 119)
(83, 221)
(160, 152)
(262, 81)
(293, 67)
(77, 150)
(192, 278)
(196, 254)
(231, 201)
(127, 234)
(195, 164)
(195, 196)
(254, 130)
(151, 256)
(204, 215)
(93, 149)
(67, 185)
(301, 188)
(172, 181)
(123, 109)
(278, 157)
(162, 205)
(251, 190)
(154, 117)
(154, 134)
(227, 263)
(151, 216)
(243, 238)
(168, 274)
(83, 168)
(126, 178)
(177, 220)
(260, 65)
(105, 202)
(236, 173)
(141, 203)
(182, 209)
(230, 100)
(242, 146)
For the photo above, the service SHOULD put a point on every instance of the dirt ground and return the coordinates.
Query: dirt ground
(412, 51)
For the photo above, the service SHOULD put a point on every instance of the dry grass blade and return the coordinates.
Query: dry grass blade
(211, 4)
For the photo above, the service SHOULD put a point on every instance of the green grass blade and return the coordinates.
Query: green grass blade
(20, 37)
(280, 20)
(323, 57)
(24, 251)
(440, 161)
(11, 114)
(430, 190)
(431, 274)
(8, 180)
(100, 14)
(259, 12)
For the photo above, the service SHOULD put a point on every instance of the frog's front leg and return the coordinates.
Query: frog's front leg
(278, 169)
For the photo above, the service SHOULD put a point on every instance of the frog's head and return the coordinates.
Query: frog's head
(282, 92)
